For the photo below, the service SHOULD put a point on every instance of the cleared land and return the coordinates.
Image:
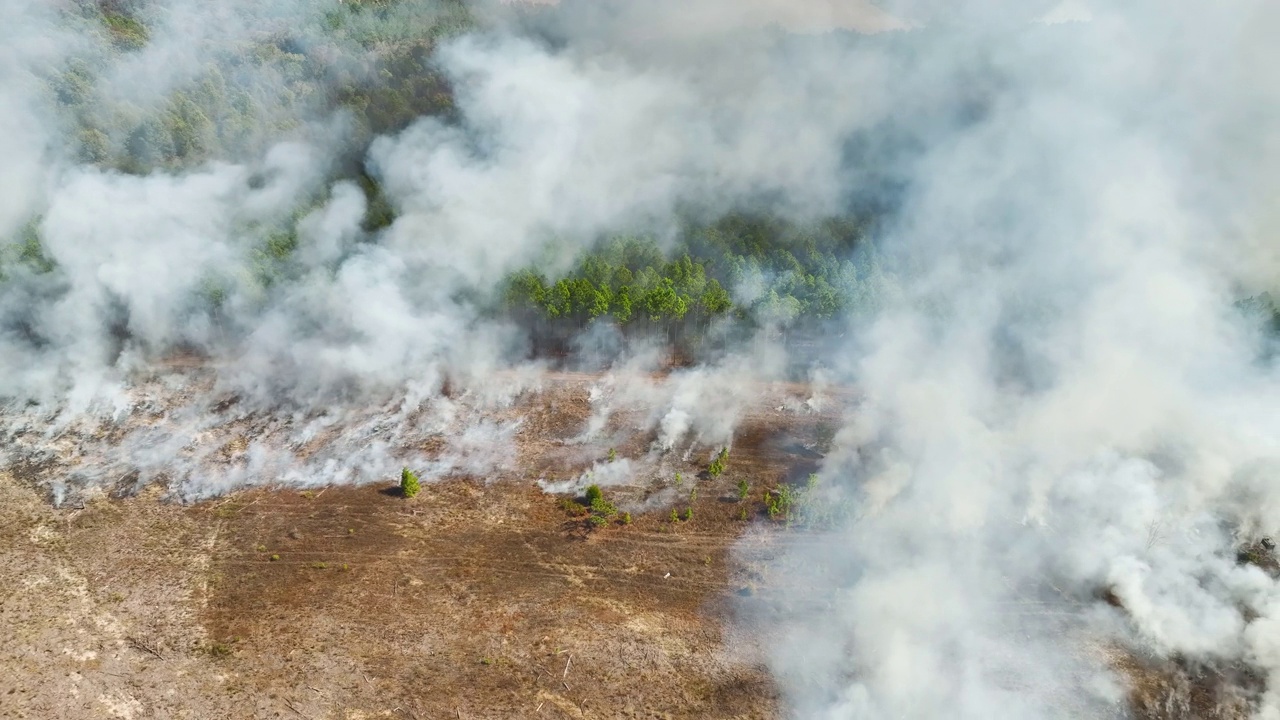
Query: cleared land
(481, 597)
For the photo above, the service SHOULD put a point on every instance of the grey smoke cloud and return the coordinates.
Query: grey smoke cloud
(1058, 397)
(1063, 401)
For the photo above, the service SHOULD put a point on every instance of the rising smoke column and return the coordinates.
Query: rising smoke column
(1059, 399)
(1064, 404)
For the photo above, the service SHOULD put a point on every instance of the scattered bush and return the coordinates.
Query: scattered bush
(409, 485)
(626, 518)
(218, 649)
(717, 465)
(744, 489)
(599, 509)
(613, 455)
(675, 515)
(573, 507)
(778, 502)
(604, 507)
(688, 514)
(679, 480)
(804, 505)
(275, 558)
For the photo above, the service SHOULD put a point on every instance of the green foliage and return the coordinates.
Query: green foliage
(688, 514)
(600, 506)
(373, 58)
(409, 484)
(744, 489)
(126, 32)
(801, 273)
(28, 251)
(599, 509)
(378, 212)
(716, 468)
(613, 455)
(573, 507)
(679, 480)
(675, 515)
(806, 505)
(626, 518)
(778, 502)
(219, 649)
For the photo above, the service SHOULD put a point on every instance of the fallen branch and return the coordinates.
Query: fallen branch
(295, 708)
(137, 644)
(566, 667)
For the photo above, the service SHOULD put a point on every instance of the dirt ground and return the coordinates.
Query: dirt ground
(485, 596)
(479, 598)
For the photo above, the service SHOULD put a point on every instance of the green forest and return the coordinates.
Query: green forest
(781, 274)
(372, 62)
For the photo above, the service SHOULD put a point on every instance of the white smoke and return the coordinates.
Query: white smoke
(1064, 402)
(1058, 396)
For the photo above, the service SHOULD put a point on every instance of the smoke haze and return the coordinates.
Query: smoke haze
(1059, 398)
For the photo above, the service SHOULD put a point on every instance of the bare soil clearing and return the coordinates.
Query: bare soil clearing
(478, 598)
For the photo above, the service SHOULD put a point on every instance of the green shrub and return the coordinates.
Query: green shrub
(594, 493)
(675, 515)
(717, 465)
(573, 507)
(603, 507)
(688, 514)
(409, 485)
(613, 455)
(126, 32)
(679, 480)
(218, 649)
(744, 489)
(778, 502)
(626, 518)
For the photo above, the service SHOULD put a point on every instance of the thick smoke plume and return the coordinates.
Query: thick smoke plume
(1067, 425)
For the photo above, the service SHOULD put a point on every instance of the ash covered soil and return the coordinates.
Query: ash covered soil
(490, 594)
(484, 596)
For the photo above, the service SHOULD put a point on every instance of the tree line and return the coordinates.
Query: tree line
(780, 273)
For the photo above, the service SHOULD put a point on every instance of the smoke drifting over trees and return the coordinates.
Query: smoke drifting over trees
(1023, 231)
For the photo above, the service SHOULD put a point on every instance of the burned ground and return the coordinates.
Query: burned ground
(480, 597)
